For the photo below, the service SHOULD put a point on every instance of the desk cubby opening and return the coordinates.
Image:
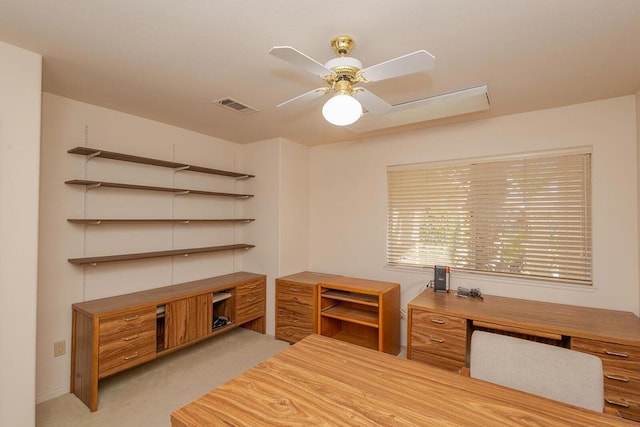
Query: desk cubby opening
(160, 323)
(222, 309)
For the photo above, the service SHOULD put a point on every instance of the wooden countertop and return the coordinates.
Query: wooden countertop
(585, 322)
(158, 295)
(322, 381)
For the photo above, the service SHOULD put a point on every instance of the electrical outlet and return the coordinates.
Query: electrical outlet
(59, 348)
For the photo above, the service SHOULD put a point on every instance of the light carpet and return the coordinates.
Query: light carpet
(148, 394)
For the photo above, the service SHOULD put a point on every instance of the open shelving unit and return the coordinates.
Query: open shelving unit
(182, 191)
(95, 152)
(100, 221)
(157, 254)
(91, 153)
(362, 312)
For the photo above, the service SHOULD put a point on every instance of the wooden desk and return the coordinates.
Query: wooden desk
(441, 324)
(323, 381)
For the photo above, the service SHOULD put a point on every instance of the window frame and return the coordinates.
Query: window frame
(585, 280)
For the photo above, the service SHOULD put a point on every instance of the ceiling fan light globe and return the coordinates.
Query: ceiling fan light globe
(342, 110)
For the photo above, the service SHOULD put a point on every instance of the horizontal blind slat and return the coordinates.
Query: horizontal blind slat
(525, 216)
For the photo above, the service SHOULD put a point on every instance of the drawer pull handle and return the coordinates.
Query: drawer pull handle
(296, 321)
(613, 402)
(129, 319)
(438, 321)
(295, 289)
(617, 378)
(130, 337)
(438, 340)
(133, 356)
(614, 353)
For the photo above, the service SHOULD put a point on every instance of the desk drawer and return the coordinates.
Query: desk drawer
(117, 326)
(255, 286)
(294, 310)
(122, 355)
(295, 292)
(436, 323)
(438, 340)
(126, 339)
(621, 365)
(292, 326)
(250, 301)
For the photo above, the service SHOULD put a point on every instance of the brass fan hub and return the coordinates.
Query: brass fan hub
(342, 45)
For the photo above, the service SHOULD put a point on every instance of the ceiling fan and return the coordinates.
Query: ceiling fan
(343, 73)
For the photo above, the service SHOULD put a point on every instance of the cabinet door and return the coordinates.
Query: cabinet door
(187, 320)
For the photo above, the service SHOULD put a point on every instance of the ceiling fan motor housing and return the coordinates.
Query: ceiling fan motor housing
(345, 68)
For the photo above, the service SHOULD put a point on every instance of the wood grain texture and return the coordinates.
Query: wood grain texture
(321, 381)
(621, 365)
(159, 296)
(613, 336)
(116, 333)
(294, 310)
(585, 322)
(360, 311)
(438, 339)
(296, 301)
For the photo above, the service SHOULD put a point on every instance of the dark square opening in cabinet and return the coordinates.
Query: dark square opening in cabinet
(222, 309)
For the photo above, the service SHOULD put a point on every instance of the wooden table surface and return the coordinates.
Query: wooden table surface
(322, 381)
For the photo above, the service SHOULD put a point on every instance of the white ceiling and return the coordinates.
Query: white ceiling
(167, 60)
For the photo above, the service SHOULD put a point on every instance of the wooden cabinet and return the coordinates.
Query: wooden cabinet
(187, 319)
(441, 325)
(296, 300)
(621, 364)
(251, 301)
(113, 334)
(365, 312)
(126, 340)
(438, 339)
(362, 312)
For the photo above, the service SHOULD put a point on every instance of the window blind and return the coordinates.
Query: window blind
(526, 216)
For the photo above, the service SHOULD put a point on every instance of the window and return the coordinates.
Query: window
(528, 216)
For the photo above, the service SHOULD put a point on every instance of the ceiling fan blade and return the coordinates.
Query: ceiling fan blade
(372, 103)
(316, 93)
(299, 59)
(415, 62)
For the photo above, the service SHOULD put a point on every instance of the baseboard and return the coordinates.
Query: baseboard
(43, 396)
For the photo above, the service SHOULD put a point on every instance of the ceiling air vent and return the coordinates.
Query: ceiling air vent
(236, 106)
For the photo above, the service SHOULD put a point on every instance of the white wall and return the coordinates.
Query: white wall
(20, 86)
(348, 197)
(638, 160)
(294, 208)
(281, 209)
(67, 124)
(263, 158)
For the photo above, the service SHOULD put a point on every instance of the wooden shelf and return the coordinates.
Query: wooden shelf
(360, 311)
(97, 184)
(146, 255)
(353, 315)
(99, 221)
(220, 296)
(363, 299)
(357, 340)
(93, 152)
